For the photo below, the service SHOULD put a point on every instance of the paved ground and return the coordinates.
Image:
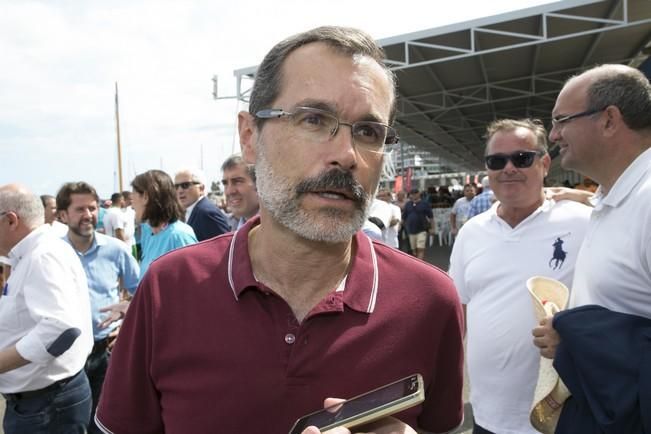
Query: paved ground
(437, 255)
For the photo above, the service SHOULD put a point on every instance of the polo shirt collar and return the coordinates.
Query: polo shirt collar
(626, 183)
(544, 207)
(361, 284)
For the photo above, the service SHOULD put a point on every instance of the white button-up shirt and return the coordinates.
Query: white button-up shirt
(45, 295)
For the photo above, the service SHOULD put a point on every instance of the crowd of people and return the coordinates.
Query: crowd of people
(164, 313)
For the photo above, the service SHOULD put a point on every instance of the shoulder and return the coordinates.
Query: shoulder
(111, 243)
(413, 276)
(179, 229)
(191, 259)
(571, 210)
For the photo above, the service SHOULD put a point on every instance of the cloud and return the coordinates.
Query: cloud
(61, 60)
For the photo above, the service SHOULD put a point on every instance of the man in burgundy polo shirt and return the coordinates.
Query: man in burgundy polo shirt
(249, 331)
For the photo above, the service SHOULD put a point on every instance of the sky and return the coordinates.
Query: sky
(61, 60)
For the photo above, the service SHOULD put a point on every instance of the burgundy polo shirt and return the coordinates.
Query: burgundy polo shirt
(206, 348)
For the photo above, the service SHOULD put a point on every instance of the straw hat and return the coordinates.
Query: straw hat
(549, 296)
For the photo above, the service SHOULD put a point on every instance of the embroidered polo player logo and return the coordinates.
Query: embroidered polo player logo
(558, 256)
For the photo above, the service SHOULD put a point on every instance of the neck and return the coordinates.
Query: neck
(618, 155)
(515, 214)
(300, 271)
(81, 243)
(159, 228)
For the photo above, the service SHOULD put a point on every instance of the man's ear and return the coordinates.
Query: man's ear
(248, 130)
(63, 215)
(547, 162)
(614, 120)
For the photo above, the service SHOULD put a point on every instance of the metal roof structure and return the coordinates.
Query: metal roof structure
(455, 79)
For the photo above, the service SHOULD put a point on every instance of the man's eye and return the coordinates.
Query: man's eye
(368, 131)
(312, 119)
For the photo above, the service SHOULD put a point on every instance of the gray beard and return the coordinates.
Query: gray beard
(279, 196)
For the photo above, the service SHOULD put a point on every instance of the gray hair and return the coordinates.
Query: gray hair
(507, 125)
(196, 175)
(26, 205)
(236, 160)
(344, 40)
(624, 87)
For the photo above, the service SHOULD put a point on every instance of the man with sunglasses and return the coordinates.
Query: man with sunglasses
(201, 214)
(602, 123)
(247, 332)
(494, 255)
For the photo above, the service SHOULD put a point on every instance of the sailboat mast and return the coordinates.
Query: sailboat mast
(117, 130)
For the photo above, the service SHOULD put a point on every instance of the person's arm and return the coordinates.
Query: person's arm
(564, 193)
(115, 311)
(10, 359)
(119, 234)
(453, 222)
(546, 338)
(52, 298)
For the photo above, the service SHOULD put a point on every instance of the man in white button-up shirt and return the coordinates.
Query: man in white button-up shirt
(45, 326)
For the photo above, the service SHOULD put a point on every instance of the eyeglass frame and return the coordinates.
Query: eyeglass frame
(185, 185)
(509, 157)
(280, 113)
(560, 120)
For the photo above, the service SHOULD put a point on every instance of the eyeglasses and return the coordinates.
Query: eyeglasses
(520, 159)
(4, 213)
(559, 120)
(186, 185)
(319, 126)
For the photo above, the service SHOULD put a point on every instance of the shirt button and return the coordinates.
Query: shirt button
(290, 338)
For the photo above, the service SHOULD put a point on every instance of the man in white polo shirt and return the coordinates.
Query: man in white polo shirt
(602, 122)
(520, 236)
(45, 325)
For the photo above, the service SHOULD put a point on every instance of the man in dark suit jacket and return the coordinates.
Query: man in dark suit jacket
(205, 218)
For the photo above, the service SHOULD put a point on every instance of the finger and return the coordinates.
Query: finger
(328, 402)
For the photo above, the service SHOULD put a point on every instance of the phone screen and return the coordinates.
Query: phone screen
(389, 398)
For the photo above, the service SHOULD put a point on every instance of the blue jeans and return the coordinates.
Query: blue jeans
(65, 409)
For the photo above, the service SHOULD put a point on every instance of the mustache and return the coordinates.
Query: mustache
(335, 179)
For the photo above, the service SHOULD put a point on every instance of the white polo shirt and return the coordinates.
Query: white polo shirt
(614, 265)
(45, 295)
(490, 264)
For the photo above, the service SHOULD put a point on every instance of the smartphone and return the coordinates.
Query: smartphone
(368, 407)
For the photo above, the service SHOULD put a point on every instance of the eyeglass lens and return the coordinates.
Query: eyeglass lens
(322, 125)
(520, 160)
(184, 185)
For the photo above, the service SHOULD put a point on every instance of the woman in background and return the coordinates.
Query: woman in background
(161, 216)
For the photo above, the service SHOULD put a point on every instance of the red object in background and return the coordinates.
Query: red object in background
(398, 184)
(410, 172)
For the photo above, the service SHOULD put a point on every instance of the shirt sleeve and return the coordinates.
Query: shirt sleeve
(129, 403)
(457, 267)
(130, 272)
(53, 303)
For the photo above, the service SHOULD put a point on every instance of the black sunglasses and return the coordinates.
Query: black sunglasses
(520, 159)
(186, 185)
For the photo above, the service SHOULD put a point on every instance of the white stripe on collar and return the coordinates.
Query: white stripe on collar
(230, 264)
(374, 289)
(371, 302)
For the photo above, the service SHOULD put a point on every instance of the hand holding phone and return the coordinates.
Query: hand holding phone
(368, 407)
